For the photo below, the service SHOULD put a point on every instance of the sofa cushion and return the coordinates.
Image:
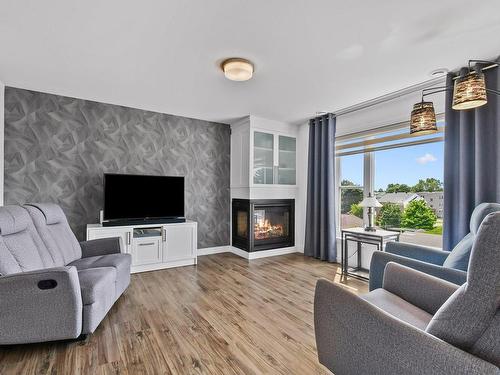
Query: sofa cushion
(399, 308)
(459, 256)
(95, 282)
(479, 214)
(21, 248)
(13, 219)
(53, 227)
(470, 311)
(121, 262)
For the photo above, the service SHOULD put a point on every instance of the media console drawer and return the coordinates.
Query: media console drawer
(147, 250)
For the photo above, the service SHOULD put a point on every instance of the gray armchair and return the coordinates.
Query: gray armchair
(450, 266)
(417, 323)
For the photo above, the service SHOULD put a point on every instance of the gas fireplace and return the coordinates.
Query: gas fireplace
(263, 224)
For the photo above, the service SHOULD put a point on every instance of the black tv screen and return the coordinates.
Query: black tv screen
(143, 197)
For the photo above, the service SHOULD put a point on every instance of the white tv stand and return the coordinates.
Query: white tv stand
(153, 246)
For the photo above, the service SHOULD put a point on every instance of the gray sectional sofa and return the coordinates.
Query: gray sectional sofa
(51, 286)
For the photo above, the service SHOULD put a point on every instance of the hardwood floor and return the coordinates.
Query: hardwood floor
(225, 316)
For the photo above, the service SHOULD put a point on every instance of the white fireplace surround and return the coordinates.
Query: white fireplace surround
(242, 183)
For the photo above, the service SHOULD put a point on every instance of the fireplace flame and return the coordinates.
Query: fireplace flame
(263, 229)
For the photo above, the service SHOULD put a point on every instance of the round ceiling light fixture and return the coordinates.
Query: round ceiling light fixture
(237, 69)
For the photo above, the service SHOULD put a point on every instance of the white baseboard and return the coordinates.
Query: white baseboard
(214, 250)
(161, 266)
(246, 254)
(263, 253)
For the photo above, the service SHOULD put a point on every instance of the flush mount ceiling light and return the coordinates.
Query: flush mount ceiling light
(469, 91)
(237, 69)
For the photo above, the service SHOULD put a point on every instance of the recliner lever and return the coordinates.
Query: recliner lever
(47, 284)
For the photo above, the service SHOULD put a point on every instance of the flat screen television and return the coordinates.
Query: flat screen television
(142, 198)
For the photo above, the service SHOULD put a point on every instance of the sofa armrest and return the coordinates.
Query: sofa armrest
(355, 337)
(101, 246)
(42, 305)
(380, 260)
(418, 252)
(422, 290)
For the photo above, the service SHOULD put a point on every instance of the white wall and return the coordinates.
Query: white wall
(301, 200)
(2, 105)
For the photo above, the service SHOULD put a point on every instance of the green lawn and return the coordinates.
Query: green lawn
(438, 229)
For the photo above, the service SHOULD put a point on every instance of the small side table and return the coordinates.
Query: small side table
(378, 238)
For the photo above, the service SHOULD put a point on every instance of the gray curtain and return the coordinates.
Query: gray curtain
(471, 160)
(320, 241)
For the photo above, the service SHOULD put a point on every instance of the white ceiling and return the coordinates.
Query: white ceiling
(309, 55)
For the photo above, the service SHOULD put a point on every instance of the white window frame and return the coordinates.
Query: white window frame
(369, 162)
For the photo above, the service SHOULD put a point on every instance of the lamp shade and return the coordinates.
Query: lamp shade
(423, 118)
(370, 201)
(469, 91)
(237, 69)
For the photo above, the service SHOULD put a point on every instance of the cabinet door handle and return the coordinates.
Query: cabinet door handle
(128, 238)
(147, 244)
(164, 235)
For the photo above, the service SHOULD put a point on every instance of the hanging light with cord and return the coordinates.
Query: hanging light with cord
(469, 91)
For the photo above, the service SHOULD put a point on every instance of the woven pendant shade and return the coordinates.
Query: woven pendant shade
(423, 119)
(469, 92)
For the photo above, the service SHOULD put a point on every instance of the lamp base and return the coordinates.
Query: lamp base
(370, 229)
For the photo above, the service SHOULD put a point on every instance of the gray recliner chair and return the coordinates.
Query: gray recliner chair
(51, 286)
(417, 323)
(447, 265)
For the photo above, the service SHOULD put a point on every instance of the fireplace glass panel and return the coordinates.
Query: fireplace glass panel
(242, 224)
(271, 222)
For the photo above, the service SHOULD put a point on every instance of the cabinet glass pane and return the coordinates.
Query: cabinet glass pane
(287, 153)
(263, 153)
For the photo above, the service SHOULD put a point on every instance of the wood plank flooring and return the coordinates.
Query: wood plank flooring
(225, 316)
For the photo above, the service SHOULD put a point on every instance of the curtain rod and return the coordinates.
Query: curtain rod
(387, 97)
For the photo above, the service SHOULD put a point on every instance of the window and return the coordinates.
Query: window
(408, 182)
(351, 191)
(405, 173)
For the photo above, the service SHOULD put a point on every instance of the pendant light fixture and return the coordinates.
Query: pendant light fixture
(469, 91)
(423, 118)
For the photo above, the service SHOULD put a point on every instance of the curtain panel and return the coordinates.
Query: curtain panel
(471, 160)
(320, 239)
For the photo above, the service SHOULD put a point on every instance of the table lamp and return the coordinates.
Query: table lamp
(370, 202)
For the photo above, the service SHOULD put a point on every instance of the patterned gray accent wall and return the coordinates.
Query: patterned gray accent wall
(57, 149)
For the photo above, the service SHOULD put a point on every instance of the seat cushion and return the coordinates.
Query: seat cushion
(398, 308)
(95, 283)
(120, 262)
(98, 295)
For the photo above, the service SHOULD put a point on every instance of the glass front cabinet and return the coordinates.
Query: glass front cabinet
(274, 159)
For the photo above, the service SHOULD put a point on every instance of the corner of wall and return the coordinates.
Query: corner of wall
(2, 111)
(302, 154)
